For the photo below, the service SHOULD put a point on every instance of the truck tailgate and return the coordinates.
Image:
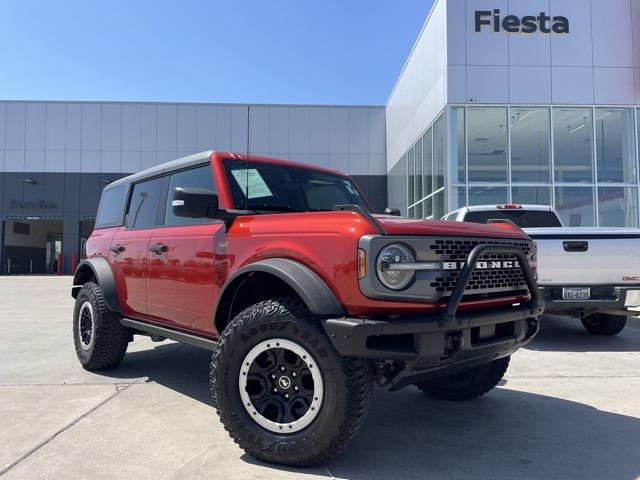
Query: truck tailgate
(587, 256)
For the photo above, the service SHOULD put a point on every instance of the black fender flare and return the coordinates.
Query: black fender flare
(313, 291)
(104, 277)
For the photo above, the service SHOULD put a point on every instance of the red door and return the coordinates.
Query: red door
(129, 247)
(181, 286)
(181, 281)
(128, 258)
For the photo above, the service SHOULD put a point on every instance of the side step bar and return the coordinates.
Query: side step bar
(176, 335)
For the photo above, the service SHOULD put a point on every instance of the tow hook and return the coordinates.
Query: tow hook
(453, 343)
(532, 327)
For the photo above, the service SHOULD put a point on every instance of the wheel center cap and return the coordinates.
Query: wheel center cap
(284, 382)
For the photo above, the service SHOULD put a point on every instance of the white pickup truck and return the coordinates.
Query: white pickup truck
(589, 273)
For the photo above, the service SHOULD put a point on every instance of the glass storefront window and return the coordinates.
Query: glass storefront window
(418, 178)
(575, 205)
(458, 153)
(530, 145)
(427, 162)
(427, 209)
(615, 145)
(617, 207)
(418, 210)
(536, 195)
(573, 144)
(458, 197)
(553, 150)
(438, 205)
(488, 195)
(487, 143)
(439, 152)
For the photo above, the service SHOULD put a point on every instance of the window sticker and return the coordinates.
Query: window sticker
(252, 179)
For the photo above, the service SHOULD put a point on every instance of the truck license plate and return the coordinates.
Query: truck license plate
(582, 293)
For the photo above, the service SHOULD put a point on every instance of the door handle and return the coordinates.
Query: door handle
(117, 248)
(158, 248)
(575, 246)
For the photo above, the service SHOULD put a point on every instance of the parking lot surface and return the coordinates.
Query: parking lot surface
(569, 407)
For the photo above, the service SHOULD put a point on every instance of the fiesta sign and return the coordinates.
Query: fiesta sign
(542, 23)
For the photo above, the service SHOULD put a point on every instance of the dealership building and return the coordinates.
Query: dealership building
(501, 101)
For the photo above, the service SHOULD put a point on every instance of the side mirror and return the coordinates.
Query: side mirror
(392, 211)
(194, 202)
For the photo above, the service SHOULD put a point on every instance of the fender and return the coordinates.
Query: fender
(103, 275)
(309, 286)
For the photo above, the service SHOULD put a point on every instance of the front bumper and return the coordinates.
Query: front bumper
(448, 341)
(614, 300)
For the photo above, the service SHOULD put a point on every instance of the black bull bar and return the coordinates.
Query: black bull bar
(433, 334)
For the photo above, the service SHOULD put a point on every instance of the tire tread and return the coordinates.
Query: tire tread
(111, 337)
(359, 385)
(608, 325)
(483, 379)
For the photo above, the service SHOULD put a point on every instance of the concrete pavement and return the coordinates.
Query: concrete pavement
(569, 407)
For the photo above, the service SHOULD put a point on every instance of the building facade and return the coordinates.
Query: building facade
(56, 157)
(523, 101)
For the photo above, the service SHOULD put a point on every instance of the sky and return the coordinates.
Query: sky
(236, 51)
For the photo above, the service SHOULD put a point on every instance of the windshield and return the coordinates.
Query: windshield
(279, 188)
(522, 218)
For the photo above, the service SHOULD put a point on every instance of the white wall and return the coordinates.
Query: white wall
(597, 62)
(350, 139)
(86, 137)
(420, 92)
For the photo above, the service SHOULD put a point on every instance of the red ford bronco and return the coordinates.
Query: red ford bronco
(304, 296)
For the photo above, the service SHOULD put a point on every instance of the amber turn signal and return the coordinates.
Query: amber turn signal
(362, 264)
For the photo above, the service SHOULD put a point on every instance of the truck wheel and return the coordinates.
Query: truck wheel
(468, 385)
(281, 390)
(604, 324)
(100, 340)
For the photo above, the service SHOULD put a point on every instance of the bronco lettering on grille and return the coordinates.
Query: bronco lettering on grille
(488, 265)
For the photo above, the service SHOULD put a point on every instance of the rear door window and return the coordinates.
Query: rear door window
(194, 178)
(144, 203)
(111, 207)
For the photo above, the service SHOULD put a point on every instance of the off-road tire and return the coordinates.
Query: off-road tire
(468, 385)
(110, 338)
(604, 324)
(348, 385)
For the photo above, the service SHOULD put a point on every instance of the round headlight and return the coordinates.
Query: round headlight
(389, 256)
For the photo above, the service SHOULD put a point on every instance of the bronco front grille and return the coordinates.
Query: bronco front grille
(492, 280)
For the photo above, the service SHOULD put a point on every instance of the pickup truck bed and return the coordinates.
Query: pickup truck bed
(606, 261)
(589, 273)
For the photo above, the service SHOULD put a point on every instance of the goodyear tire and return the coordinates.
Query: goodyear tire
(468, 385)
(604, 324)
(100, 340)
(281, 390)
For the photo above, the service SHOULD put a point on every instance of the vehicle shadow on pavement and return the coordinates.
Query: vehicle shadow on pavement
(565, 334)
(506, 434)
(182, 368)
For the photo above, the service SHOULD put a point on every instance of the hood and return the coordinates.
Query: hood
(393, 225)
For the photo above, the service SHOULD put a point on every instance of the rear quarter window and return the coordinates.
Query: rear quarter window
(522, 218)
(111, 207)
